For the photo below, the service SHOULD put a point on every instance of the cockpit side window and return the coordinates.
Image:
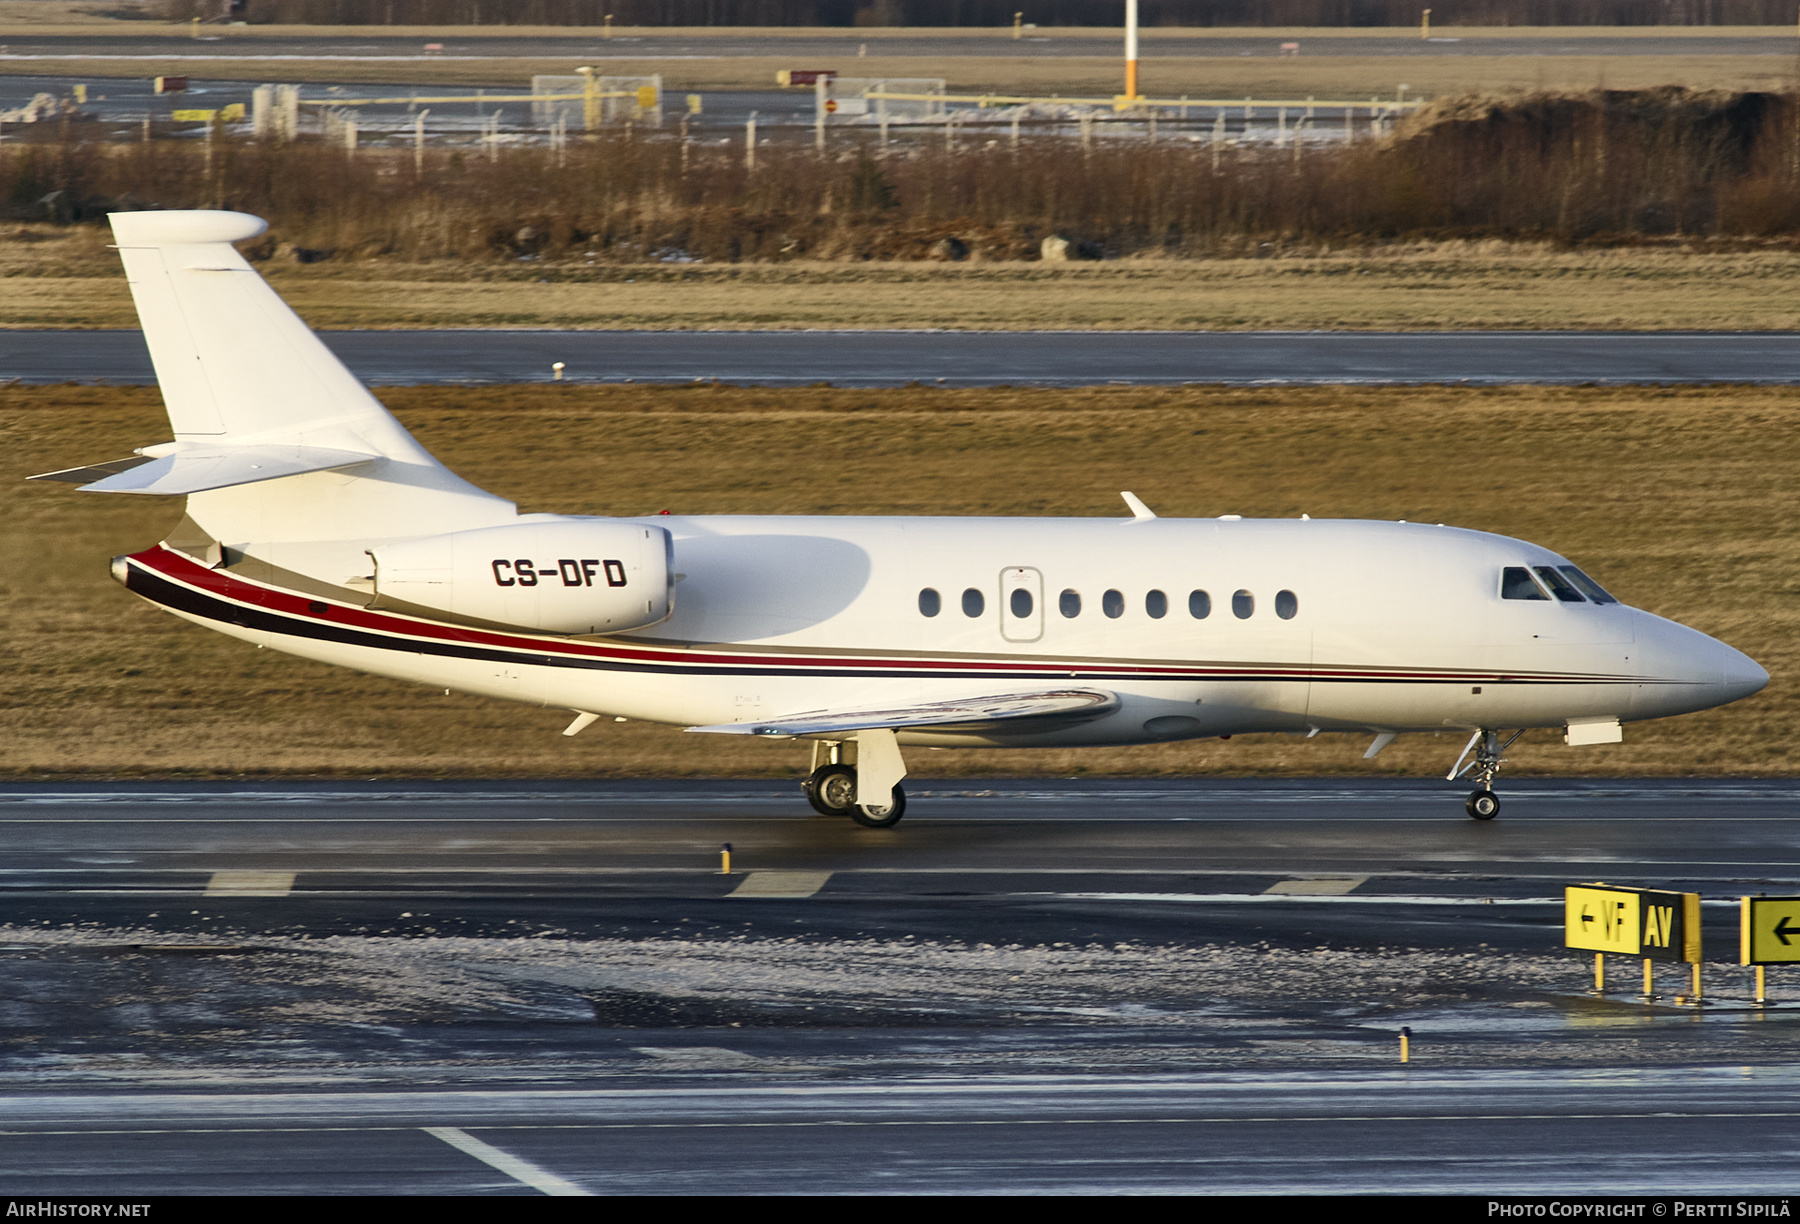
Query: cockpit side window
(1587, 586)
(1516, 583)
(1559, 586)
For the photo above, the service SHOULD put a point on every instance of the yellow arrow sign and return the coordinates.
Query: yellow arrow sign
(1769, 930)
(1601, 920)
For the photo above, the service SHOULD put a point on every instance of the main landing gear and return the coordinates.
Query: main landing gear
(1483, 803)
(831, 789)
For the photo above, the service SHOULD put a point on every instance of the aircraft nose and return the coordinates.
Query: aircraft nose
(1739, 674)
(1685, 670)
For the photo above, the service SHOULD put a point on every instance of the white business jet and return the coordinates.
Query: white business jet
(317, 525)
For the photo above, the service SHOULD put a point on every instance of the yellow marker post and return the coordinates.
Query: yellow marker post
(1405, 1045)
(1018, 26)
(590, 99)
(1425, 24)
(725, 859)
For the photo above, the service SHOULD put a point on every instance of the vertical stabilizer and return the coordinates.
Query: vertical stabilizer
(239, 370)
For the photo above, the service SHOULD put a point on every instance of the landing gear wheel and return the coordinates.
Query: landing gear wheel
(830, 789)
(880, 815)
(1483, 804)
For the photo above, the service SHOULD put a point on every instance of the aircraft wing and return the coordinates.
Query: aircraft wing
(988, 713)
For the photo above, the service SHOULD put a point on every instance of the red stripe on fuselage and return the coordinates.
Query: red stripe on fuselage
(179, 567)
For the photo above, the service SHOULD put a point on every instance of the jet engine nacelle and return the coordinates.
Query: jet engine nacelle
(572, 576)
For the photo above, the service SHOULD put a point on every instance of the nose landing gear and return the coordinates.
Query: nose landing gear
(1483, 803)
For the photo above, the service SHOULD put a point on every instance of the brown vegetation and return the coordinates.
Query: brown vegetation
(1604, 166)
(64, 276)
(1678, 500)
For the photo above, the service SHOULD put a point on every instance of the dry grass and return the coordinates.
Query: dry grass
(1680, 500)
(65, 277)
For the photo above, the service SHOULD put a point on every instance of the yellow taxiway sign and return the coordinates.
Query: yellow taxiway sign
(1634, 922)
(1769, 930)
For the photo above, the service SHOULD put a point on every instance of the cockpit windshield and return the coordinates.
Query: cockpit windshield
(1587, 586)
(1559, 586)
(1516, 583)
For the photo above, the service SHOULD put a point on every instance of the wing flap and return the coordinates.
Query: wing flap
(985, 713)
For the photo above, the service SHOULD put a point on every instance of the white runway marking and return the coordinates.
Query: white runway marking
(250, 884)
(519, 1170)
(783, 884)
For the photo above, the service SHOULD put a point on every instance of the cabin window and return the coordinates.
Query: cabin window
(1587, 586)
(1199, 605)
(974, 602)
(1286, 604)
(1516, 583)
(1069, 604)
(1243, 605)
(930, 604)
(1156, 604)
(1021, 602)
(1559, 586)
(1113, 604)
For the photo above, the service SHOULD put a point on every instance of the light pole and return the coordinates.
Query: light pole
(1131, 49)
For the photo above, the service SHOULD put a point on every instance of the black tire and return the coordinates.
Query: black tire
(880, 816)
(829, 789)
(1483, 804)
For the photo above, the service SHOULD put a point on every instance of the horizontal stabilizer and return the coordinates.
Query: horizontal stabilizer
(210, 467)
(996, 711)
(88, 473)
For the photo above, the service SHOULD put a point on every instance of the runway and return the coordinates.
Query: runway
(1392, 1132)
(1051, 359)
(1080, 985)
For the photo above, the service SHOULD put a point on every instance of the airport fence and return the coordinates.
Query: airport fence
(1597, 167)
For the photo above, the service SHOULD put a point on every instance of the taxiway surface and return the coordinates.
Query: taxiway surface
(836, 47)
(897, 358)
(1054, 985)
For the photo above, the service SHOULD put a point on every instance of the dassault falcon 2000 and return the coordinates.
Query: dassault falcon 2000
(317, 525)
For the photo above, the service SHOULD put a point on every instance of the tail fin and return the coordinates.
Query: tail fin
(274, 438)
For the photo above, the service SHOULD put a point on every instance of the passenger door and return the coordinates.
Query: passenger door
(1021, 604)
